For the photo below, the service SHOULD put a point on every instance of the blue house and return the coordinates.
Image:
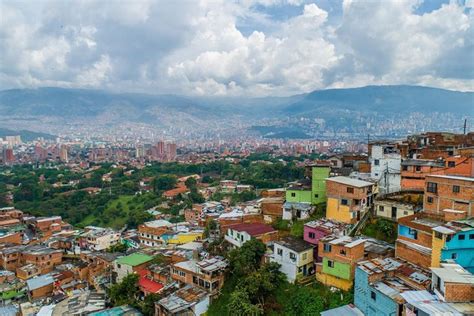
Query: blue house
(460, 247)
(379, 283)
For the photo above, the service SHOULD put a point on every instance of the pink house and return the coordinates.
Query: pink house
(315, 230)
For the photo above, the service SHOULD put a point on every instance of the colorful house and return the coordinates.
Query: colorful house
(379, 284)
(183, 238)
(340, 255)
(454, 241)
(315, 230)
(319, 174)
(348, 199)
(452, 283)
(131, 264)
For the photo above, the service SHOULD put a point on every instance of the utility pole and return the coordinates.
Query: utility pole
(465, 125)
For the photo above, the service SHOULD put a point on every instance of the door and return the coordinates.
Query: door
(394, 212)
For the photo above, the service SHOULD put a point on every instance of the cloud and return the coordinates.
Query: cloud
(199, 47)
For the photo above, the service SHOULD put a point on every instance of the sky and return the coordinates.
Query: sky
(236, 48)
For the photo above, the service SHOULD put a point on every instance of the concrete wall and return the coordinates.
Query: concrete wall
(301, 196)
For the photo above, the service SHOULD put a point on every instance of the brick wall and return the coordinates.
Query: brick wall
(411, 255)
(455, 292)
(445, 198)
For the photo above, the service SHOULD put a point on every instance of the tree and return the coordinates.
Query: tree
(165, 182)
(148, 305)
(125, 292)
(117, 248)
(240, 304)
(246, 259)
(190, 183)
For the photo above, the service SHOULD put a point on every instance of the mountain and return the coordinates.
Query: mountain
(25, 134)
(384, 99)
(372, 109)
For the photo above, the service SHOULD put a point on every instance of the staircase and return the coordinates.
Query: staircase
(361, 223)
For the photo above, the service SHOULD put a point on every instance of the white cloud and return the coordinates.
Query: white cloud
(196, 47)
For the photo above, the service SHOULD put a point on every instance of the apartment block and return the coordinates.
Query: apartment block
(152, 233)
(98, 238)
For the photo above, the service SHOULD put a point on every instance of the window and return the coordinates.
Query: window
(342, 252)
(293, 194)
(438, 235)
(195, 279)
(316, 196)
(471, 236)
(327, 248)
(292, 256)
(461, 237)
(381, 208)
(432, 187)
(418, 168)
(304, 256)
(376, 162)
(451, 164)
(429, 199)
(311, 235)
(350, 190)
(344, 202)
(454, 256)
(330, 264)
(373, 296)
(413, 232)
(404, 168)
(405, 212)
(280, 251)
(456, 189)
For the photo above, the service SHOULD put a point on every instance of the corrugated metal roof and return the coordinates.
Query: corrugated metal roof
(350, 181)
(346, 310)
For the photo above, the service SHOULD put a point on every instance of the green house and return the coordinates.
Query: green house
(318, 183)
(298, 195)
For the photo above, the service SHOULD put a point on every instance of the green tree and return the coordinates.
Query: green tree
(246, 259)
(125, 292)
(190, 183)
(164, 182)
(240, 304)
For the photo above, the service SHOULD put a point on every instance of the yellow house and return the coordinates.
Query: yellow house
(347, 199)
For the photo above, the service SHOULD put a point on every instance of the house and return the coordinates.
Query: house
(152, 233)
(40, 286)
(452, 283)
(98, 238)
(297, 210)
(414, 172)
(299, 192)
(414, 241)
(207, 274)
(228, 186)
(295, 257)
(43, 257)
(131, 264)
(424, 303)
(379, 284)
(385, 163)
(188, 301)
(147, 284)
(186, 237)
(348, 199)
(397, 205)
(315, 230)
(272, 208)
(239, 234)
(454, 241)
(449, 192)
(340, 255)
(319, 173)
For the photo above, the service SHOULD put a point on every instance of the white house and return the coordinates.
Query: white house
(99, 238)
(295, 257)
(385, 167)
(297, 210)
(238, 234)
